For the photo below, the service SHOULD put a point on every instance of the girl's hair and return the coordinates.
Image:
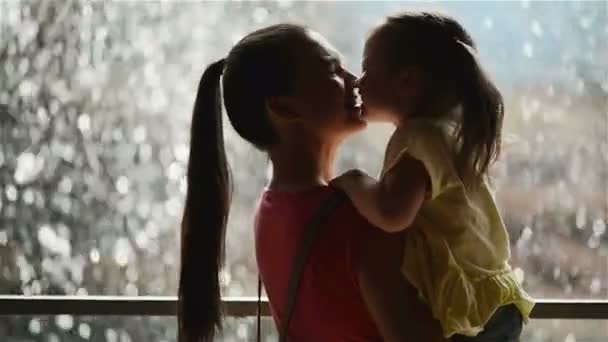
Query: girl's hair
(257, 67)
(447, 55)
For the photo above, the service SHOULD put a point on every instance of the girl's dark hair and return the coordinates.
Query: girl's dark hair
(448, 57)
(257, 67)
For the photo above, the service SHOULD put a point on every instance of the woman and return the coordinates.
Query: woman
(286, 92)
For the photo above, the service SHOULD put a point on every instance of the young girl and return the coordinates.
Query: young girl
(420, 73)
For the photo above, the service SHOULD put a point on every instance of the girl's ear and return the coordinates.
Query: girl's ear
(410, 80)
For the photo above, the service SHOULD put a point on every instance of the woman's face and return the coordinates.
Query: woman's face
(324, 96)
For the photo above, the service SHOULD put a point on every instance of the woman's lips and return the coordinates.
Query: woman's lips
(354, 109)
(354, 105)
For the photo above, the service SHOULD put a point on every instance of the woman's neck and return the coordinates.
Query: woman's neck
(301, 165)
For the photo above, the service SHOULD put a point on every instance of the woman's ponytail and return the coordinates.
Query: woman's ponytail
(205, 215)
(257, 67)
(480, 128)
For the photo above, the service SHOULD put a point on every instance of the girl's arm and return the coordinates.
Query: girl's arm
(393, 202)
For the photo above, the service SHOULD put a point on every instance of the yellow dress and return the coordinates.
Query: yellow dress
(457, 253)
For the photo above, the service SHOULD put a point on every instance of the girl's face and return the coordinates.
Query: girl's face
(389, 93)
(323, 102)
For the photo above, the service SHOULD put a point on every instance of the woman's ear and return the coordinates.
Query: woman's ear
(280, 108)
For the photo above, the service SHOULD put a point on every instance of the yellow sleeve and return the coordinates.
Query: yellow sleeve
(427, 143)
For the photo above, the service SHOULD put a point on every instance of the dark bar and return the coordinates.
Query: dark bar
(115, 306)
(235, 307)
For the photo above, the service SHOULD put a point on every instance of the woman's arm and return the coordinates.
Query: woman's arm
(393, 202)
(393, 303)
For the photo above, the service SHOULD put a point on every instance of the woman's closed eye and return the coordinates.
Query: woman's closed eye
(335, 68)
(338, 73)
(335, 65)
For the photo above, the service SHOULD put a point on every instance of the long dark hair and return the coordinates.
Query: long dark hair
(448, 57)
(257, 67)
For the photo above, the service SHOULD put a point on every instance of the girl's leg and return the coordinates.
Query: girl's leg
(504, 326)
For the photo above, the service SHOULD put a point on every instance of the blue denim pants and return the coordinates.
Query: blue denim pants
(504, 326)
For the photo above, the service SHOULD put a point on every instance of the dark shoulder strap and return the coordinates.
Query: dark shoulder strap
(259, 313)
(301, 256)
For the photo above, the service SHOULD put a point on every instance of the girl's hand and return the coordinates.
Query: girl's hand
(350, 180)
(392, 202)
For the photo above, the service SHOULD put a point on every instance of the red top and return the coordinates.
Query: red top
(329, 304)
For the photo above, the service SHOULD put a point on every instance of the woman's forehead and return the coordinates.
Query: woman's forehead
(323, 47)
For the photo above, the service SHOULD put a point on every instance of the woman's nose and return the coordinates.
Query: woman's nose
(359, 81)
(351, 78)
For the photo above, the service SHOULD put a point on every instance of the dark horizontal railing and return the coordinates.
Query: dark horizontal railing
(234, 306)
(115, 305)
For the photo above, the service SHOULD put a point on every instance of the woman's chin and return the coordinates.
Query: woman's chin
(367, 116)
(375, 116)
(355, 115)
